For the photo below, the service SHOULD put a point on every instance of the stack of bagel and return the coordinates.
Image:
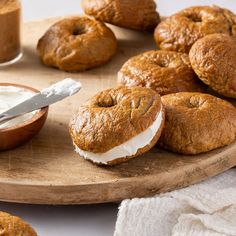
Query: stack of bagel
(176, 93)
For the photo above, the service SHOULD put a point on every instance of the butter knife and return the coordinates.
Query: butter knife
(46, 97)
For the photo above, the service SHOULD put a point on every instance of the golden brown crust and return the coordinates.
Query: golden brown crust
(135, 14)
(197, 123)
(214, 60)
(12, 226)
(181, 30)
(163, 71)
(113, 117)
(77, 44)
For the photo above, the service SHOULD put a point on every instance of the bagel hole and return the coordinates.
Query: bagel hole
(195, 18)
(190, 105)
(162, 64)
(193, 103)
(78, 31)
(106, 103)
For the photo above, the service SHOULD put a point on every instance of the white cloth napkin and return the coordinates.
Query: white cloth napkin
(204, 209)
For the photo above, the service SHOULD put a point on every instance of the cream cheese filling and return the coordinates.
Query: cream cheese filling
(127, 149)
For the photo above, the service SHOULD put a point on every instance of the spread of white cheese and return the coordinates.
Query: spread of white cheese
(127, 149)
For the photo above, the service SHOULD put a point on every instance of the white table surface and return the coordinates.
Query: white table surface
(87, 220)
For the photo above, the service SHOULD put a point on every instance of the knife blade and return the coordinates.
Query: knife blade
(46, 97)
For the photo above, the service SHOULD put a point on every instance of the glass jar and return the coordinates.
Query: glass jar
(10, 24)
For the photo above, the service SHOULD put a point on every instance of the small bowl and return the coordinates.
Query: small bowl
(21, 133)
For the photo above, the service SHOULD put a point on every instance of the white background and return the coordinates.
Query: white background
(90, 220)
(35, 9)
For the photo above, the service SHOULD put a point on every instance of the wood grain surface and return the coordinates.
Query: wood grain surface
(47, 170)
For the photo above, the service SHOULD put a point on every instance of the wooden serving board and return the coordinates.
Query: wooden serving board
(47, 170)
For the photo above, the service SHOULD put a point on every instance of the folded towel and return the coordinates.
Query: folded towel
(204, 209)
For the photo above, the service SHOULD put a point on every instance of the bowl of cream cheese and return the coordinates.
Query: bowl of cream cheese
(21, 129)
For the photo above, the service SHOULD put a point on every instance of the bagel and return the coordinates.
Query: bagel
(77, 44)
(12, 226)
(135, 14)
(197, 122)
(181, 30)
(117, 124)
(163, 71)
(214, 60)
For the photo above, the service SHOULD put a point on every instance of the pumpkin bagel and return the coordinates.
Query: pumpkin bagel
(197, 122)
(13, 226)
(117, 124)
(181, 30)
(77, 44)
(163, 71)
(135, 14)
(213, 58)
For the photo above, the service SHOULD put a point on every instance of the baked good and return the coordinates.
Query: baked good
(197, 122)
(135, 14)
(117, 124)
(214, 60)
(77, 44)
(13, 226)
(181, 30)
(164, 71)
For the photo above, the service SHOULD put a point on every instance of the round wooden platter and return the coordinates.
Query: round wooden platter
(47, 170)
